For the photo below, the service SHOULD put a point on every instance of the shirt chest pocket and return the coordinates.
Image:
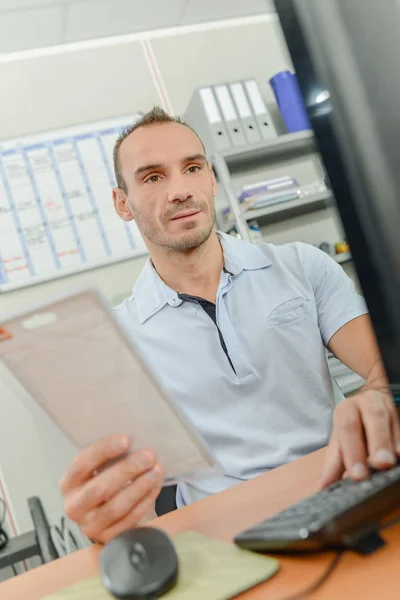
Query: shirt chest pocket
(290, 312)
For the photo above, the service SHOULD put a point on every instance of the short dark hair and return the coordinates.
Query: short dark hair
(153, 116)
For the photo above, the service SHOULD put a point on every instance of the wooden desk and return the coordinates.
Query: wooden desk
(225, 514)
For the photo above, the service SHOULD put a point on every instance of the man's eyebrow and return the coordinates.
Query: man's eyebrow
(194, 157)
(144, 168)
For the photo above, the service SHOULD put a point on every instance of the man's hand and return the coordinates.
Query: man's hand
(366, 431)
(107, 491)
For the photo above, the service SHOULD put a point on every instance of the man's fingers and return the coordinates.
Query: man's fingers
(350, 432)
(104, 486)
(132, 519)
(98, 520)
(378, 429)
(395, 424)
(92, 458)
(333, 468)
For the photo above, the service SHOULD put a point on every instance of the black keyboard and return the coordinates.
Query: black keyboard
(342, 515)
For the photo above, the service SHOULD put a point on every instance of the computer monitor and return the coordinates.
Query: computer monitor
(346, 56)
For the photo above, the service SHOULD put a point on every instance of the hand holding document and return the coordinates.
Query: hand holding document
(76, 362)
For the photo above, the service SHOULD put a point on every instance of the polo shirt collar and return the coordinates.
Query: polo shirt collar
(241, 256)
(152, 294)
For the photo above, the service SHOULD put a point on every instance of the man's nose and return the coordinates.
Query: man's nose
(178, 190)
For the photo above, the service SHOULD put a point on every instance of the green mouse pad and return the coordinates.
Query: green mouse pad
(207, 569)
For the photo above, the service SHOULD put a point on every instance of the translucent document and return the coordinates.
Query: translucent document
(77, 363)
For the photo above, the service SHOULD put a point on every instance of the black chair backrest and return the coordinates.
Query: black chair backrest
(48, 551)
(166, 501)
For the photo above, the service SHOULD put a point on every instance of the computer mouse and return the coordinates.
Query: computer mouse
(139, 564)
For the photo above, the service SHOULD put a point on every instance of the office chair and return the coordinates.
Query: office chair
(166, 501)
(47, 550)
(33, 543)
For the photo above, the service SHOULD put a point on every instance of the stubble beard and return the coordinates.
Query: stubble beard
(194, 237)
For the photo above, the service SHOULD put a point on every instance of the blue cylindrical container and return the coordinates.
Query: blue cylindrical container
(290, 101)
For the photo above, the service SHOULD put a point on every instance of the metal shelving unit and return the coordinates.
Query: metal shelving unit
(348, 381)
(343, 257)
(284, 210)
(289, 143)
(281, 148)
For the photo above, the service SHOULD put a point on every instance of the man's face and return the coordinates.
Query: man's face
(171, 187)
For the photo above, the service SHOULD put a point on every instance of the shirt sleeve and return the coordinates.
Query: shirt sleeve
(335, 296)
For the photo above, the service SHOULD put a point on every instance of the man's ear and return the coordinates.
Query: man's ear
(121, 204)
(213, 180)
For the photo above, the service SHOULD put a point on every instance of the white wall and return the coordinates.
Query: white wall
(28, 441)
(80, 84)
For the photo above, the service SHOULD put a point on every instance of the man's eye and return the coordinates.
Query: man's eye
(152, 179)
(193, 169)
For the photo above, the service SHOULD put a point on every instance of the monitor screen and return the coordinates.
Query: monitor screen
(350, 81)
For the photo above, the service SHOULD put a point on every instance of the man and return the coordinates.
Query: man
(237, 334)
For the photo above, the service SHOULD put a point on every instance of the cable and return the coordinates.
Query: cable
(3, 538)
(3, 535)
(321, 579)
(331, 567)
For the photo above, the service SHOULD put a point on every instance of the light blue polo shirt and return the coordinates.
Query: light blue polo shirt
(277, 307)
